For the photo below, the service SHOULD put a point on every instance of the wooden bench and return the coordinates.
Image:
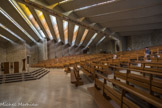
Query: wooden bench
(120, 96)
(150, 83)
(100, 100)
(75, 77)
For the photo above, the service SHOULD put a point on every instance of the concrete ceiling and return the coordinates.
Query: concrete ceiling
(126, 17)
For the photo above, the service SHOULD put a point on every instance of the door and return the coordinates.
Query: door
(24, 67)
(16, 67)
(6, 67)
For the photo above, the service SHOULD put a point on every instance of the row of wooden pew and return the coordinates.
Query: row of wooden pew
(135, 83)
(67, 61)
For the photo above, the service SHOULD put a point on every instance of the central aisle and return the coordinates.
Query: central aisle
(52, 91)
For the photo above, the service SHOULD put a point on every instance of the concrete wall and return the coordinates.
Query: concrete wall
(139, 42)
(156, 38)
(34, 55)
(142, 41)
(107, 45)
(56, 50)
(16, 53)
(38, 52)
(2, 53)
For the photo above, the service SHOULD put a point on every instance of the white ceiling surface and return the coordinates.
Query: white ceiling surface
(126, 17)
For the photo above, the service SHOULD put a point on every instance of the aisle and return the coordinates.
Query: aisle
(52, 91)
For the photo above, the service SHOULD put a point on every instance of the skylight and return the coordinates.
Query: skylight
(98, 4)
(44, 23)
(94, 36)
(34, 22)
(16, 24)
(7, 39)
(76, 28)
(55, 27)
(65, 25)
(83, 37)
(16, 6)
(2, 26)
(101, 40)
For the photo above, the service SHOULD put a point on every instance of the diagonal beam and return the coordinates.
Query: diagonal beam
(48, 20)
(88, 37)
(79, 35)
(70, 32)
(53, 12)
(61, 29)
(37, 19)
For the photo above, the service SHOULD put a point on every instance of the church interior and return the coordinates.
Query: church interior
(80, 54)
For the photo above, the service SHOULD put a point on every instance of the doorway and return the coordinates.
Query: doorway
(16, 67)
(24, 67)
(6, 67)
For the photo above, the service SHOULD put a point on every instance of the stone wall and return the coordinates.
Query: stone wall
(2, 55)
(16, 53)
(142, 41)
(107, 45)
(56, 50)
(156, 38)
(33, 55)
(37, 52)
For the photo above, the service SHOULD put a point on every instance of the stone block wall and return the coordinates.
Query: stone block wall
(142, 41)
(56, 50)
(107, 45)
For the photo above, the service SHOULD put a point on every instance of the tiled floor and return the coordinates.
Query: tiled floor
(52, 91)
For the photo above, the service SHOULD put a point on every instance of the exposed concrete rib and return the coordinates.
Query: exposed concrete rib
(48, 20)
(38, 20)
(14, 29)
(52, 12)
(79, 35)
(88, 37)
(98, 37)
(8, 35)
(6, 5)
(61, 29)
(70, 32)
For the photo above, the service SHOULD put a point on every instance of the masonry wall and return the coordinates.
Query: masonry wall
(2, 55)
(56, 50)
(33, 55)
(156, 38)
(16, 53)
(37, 52)
(142, 41)
(107, 46)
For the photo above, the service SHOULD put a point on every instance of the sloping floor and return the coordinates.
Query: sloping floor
(52, 91)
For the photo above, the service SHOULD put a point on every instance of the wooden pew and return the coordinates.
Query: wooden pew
(75, 76)
(120, 96)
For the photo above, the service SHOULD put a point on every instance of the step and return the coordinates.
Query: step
(40, 74)
(37, 74)
(10, 81)
(37, 71)
(28, 79)
(43, 74)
